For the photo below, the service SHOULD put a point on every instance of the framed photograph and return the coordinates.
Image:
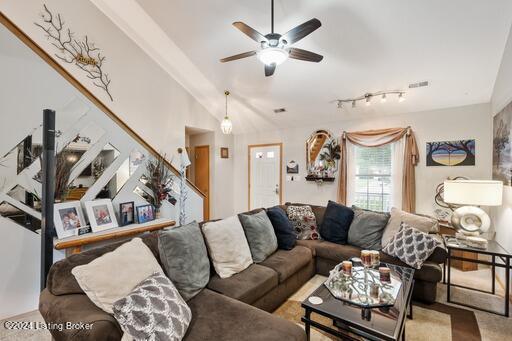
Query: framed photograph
(101, 214)
(68, 218)
(127, 213)
(292, 167)
(145, 213)
(224, 153)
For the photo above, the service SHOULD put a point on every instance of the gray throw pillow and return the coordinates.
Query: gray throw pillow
(411, 246)
(185, 259)
(260, 235)
(154, 310)
(367, 228)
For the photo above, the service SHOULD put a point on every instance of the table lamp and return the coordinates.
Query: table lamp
(470, 219)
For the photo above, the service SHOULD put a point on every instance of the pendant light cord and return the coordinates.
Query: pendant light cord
(227, 94)
(272, 16)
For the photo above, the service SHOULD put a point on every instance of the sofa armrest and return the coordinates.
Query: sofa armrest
(75, 317)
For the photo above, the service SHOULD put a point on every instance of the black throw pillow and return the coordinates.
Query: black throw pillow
(337, 220)
(283, 228)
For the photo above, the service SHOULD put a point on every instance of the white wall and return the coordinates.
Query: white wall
(502, 95)
(468, 122)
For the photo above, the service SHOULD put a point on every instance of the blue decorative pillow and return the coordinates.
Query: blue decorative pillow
(337, 220)
(283, 228)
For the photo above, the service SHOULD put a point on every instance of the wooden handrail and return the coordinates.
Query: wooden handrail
(96, 101)
(114, 233)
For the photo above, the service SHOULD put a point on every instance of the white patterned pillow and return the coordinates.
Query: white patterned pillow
(411, 246)
(153, 311)
(304, 221)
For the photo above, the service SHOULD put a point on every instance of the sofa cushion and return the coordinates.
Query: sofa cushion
(246, 286)
(337, 220)
(154, 310)
(185, 259)
(288, 262)
(310, 244)
(336, 252)
(60, 281)
(303, 221)
(229, 250)
(367, 228)
(283, 228)
(75, 309)
(217, 317)
(260, 235)
(114, 275)
(411, 246)
(423, 223)
(318, 211)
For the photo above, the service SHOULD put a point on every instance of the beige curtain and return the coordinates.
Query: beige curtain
(377, 138)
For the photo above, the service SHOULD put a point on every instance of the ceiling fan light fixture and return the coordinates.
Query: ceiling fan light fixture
(273, 55)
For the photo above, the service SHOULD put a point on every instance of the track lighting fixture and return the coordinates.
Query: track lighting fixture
(368, 98)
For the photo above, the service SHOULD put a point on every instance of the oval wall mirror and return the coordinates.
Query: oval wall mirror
(319, 147)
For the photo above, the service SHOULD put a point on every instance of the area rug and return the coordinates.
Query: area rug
(436, 321)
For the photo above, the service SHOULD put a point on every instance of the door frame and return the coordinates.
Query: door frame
(209, 195)
(251, 146)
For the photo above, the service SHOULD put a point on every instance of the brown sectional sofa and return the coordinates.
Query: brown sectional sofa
(231, 309)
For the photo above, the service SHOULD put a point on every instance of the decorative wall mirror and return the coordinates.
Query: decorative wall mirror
(322, 154)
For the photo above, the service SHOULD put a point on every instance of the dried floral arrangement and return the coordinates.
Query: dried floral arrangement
(331, 152)
(160, 181)
(81, 52)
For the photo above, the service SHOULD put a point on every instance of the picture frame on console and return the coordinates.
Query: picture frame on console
(145, 213)
(126, 213)
(68, 219)
(101, 214)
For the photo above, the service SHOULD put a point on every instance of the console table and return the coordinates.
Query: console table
(74, 244)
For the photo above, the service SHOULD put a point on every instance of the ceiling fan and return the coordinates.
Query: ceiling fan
(275, 48)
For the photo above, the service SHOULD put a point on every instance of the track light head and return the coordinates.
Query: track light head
(368, 100)
(340, 104)
(353, 104)
(383, 99)
(401, 97)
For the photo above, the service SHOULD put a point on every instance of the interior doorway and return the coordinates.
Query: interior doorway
(265, 175)
(202, 175)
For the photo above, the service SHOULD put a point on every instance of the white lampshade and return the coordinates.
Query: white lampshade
(473, 192)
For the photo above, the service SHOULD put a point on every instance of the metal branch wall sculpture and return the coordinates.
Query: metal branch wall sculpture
(82, 53)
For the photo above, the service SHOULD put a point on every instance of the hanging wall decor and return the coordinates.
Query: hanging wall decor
(451, 153)
(502, 147)
(80, 52)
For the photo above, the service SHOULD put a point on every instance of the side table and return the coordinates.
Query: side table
(499, 258)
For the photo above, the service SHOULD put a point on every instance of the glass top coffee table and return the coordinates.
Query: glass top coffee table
(376, 323)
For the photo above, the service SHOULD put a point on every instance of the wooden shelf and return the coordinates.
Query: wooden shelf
(77, 242)
(319, 178)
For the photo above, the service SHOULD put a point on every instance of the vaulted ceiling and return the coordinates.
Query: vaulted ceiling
(368, 45)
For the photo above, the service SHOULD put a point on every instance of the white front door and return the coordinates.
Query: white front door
(265, 176)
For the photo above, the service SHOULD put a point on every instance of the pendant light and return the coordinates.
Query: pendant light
(226, 126)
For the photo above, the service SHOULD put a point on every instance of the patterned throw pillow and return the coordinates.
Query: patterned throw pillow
(154, 310)
(303, 221)
(411, 246)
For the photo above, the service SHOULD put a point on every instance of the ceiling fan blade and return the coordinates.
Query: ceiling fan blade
(238, 56)
(270, 69)
(299, 32)
(250, 32)
(304, 55)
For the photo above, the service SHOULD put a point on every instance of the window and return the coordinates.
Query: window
(373, 177)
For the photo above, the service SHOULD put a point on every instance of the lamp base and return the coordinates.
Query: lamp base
(471, 219)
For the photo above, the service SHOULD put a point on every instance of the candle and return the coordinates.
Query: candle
(346, 266)
(374, 290)
(385, 274)
(375, 255)
(366, 258)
